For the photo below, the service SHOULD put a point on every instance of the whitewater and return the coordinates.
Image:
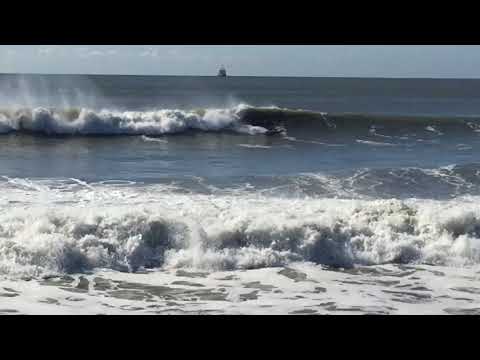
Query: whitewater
(172, 195)
(106, 122)
(126, 241)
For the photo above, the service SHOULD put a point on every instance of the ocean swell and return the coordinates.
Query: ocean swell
(240, 119)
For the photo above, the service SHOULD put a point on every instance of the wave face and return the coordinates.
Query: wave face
(241, 119)
(45, 230)
(358, 123)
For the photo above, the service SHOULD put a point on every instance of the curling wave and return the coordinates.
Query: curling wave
(105, 122)
(241, 119)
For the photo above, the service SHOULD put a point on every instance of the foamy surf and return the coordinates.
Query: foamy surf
(128, 229)
(113, 248)
(299, 289)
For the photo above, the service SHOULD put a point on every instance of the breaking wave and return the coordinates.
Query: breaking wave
(105, 122)
(241, 119)
(128, 228)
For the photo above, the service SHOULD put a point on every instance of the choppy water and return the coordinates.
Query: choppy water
(239, 195)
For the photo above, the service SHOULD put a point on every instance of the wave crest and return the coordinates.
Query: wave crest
(105, 122)
(241, 119)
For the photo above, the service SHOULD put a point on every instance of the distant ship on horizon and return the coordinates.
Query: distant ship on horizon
(222, 72)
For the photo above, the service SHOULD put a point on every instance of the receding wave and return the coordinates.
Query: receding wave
(241, 119)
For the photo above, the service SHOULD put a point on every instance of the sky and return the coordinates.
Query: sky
(429, 61)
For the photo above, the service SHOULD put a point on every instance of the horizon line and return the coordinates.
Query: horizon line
(252, 76)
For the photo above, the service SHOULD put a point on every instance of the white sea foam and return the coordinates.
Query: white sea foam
(249, 146)
(155, 140)
(293, 139)
(463, 147)
(385, 289)
(374, 143)
(434, 130)
(106, 122)
(45, 229)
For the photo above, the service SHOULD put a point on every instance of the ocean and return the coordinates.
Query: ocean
(244, 195)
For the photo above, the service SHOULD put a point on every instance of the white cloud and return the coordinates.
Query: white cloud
(86, 52)
(96, 53)
(175, 55)
(46, 51)
(150, 52)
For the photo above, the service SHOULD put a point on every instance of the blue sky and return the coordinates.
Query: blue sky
(338, 60)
